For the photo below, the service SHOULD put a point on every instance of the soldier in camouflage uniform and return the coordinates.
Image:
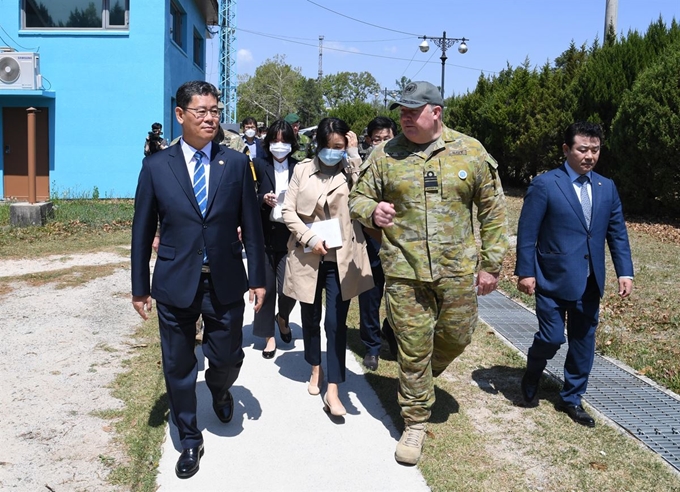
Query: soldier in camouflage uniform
(306, 150)
(420, 188)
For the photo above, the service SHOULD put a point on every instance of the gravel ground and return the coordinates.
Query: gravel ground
(61, 349)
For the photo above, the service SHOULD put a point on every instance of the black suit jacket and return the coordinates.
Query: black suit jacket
(258, 148)
(276, 234)
(165, 194)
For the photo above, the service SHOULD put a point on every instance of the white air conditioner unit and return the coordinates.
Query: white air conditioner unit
(20, 71)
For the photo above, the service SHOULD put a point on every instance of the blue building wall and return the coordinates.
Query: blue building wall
(104, 90)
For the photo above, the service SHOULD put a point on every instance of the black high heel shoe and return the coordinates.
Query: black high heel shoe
(269, 354)
(285, 337)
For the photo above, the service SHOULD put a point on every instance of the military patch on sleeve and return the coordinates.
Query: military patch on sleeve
(459, 152)
(491, 162)
(431, 182)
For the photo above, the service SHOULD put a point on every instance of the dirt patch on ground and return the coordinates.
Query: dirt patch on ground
(62, 348)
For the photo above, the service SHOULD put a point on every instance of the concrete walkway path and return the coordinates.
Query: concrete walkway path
(281, 439)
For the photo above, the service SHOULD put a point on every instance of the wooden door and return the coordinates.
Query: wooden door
(15, 154)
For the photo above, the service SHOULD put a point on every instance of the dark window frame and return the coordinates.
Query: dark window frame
(199, 49)
(178, 25)
(105, 11)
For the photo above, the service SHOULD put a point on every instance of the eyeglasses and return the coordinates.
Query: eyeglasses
(201, 113)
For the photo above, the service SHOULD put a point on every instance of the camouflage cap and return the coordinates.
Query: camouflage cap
(292, 118)
(418, 94)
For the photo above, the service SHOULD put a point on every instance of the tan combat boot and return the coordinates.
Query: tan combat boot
(410, 445)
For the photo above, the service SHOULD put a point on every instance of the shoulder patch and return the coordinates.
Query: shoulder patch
(491, 162)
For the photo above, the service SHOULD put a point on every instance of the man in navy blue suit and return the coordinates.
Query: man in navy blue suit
(200, 193)
(568, 215)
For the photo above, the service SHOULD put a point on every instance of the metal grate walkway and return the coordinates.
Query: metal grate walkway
(645, 411)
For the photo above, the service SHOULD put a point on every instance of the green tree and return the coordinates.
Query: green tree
(309, 102)
(402, 83)
(357, 115)
(645, 138)
(611, 71)
(272, 92)
(348, 87)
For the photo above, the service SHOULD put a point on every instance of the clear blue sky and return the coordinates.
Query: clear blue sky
(499, 32)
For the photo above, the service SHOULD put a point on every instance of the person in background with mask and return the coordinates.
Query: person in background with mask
(326, 250)
(253, 144)
(273, 170)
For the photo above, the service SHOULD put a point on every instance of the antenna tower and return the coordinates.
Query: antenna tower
(228, 80)
(320, 58)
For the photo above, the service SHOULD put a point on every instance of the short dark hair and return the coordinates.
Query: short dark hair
(193, 88)
(583, 128)
(381, 123)
(326, 128)
(248, 121)
(287, 133)
(156, 126)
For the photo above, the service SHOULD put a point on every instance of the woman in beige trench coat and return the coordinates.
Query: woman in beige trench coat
(317, 192)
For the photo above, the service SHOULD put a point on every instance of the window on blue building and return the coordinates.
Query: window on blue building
(177, 24)
(198, 49)
(75, 14)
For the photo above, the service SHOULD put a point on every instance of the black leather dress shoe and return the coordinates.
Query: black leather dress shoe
(371, 362)
(268, 354)
(224, 409)
(529, 388)
(576, 412)
(187, 464)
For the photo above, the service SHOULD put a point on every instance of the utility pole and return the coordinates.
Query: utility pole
(611, 14)
(320, 59)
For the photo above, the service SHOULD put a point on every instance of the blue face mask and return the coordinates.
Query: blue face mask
(331, 157)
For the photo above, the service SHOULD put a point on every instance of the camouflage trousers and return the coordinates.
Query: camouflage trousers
(433, 323)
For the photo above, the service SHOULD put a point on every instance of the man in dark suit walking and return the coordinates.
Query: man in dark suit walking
(200, 193)
(568, 215)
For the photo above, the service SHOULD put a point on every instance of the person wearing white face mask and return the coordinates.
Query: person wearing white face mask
(249, 137)
(273, 170)
(326, 251)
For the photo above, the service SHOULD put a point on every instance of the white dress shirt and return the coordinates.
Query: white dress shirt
(573, 175)
(281, 177)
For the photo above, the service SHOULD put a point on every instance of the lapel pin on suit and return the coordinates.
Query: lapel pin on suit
(221, 163)
(599, 183)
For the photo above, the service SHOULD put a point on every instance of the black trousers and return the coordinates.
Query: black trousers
(334, 323)
(222, 340)
(264, 323)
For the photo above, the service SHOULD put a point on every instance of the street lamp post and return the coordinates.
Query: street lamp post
(388, 93)
(443, 43)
